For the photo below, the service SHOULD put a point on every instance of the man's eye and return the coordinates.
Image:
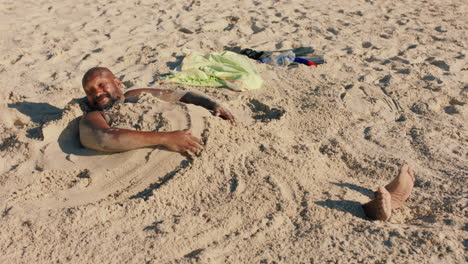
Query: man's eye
(92, 91)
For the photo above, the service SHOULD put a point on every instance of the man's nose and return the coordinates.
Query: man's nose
(98, 91)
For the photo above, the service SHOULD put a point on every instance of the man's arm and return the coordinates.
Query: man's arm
(185, 97)
(96, 134)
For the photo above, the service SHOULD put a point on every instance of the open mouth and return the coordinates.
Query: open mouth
(105, 101)
(102, 98)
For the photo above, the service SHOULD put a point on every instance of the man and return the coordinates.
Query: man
(103, 90)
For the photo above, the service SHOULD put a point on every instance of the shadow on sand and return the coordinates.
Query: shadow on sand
(174, 64)
(367, 192)
(353, 207)
(69, 141)
(39, 113)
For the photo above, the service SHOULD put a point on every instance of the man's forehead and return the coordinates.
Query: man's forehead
(94, 73)
(102, 76)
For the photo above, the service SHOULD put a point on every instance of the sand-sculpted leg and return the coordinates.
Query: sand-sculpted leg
(392, 196)
(400, 188)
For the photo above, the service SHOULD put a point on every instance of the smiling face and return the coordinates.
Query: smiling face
(102, 88)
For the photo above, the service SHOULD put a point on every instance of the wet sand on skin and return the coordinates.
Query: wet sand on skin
(282, 186)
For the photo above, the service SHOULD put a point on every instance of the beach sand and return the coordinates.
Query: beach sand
(283, 185)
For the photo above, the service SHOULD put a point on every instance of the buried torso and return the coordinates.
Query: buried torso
(144, 113)
(105, 173)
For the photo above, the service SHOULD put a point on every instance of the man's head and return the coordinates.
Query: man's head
(102, 88)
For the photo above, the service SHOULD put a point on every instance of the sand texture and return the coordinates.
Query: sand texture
(285, 184)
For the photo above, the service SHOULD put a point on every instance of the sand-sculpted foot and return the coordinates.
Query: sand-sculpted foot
(381, 207)
(392, 196)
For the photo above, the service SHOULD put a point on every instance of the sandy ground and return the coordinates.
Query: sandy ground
(282, 186)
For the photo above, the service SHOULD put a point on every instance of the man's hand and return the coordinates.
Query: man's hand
(222, 112)
(182, 141)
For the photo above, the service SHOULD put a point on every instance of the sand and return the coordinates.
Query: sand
(285, 184)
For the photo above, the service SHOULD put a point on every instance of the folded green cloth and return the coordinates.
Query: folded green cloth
(225, 69)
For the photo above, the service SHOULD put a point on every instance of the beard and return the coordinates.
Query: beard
(110, 104)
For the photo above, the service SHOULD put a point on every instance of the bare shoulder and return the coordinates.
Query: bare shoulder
(91, 126)
(94, 120)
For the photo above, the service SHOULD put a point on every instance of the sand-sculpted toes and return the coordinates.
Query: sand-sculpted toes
(381, 207)
(392, 196)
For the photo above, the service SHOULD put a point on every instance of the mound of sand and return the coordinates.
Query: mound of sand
(93, 175)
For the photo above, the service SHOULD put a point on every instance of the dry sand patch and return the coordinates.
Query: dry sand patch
(283, 186)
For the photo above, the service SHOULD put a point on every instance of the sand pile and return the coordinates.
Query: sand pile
(147, 113)
(283, 185)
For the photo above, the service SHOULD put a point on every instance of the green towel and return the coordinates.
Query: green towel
(225, 69)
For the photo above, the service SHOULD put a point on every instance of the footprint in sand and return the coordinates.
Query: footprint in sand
(366, 44)
(440, 29)
(441, 64)
(454, 107)
(263, 112)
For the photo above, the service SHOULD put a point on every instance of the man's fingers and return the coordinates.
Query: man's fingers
(226, 115)
(194, 150)
(191, 151)
(192, 145)
(230, 116)
(195, 145)
(197, 140)
(188, 143)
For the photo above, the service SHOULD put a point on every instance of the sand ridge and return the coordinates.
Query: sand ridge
(282, 186)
